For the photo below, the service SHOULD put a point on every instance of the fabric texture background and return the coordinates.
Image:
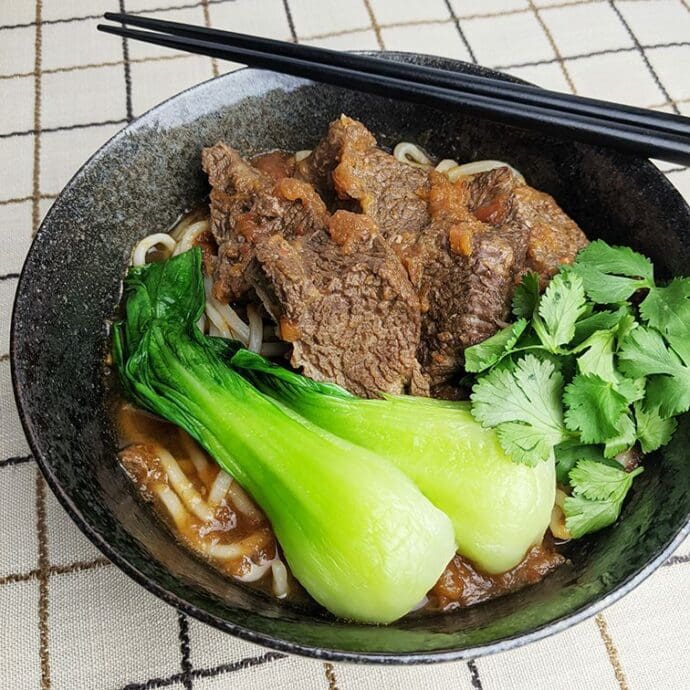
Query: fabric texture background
(69, 620)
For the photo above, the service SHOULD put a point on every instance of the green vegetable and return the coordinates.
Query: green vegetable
(594, 408)
(612, 274)
(668, 308)
(490, 351)
(577, 381)
(524, 405)
(569, 453)
(645, 353)
(597, 356)
(499, 509)
(653, 430)
(598, 494)
(560, 307)
(526, 297)
(597, 321)
(356, 532)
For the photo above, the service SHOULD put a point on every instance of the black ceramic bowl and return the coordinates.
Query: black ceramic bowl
(149, 173)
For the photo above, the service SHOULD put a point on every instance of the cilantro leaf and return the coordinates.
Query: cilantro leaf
(598, 494)
(612, 274)
(597, 357)
(524, 403)
(632, 389)
(598, 321)
(625, 325)
(603, 288)
(561, 305)
(623, 440)
(600, 481)
(668, 310)
(569, 453)
(616, 260)
(526, 296)
(583, 516)
(594, 408)
(653, 430)
(670, 394)
(681, 346)
(485, 354)
(524, 443)
(643, 352)
(595, 381)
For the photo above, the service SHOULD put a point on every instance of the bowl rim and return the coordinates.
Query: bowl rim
(292, 647)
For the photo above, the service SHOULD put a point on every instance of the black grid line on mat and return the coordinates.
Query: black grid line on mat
(188, 674)
(456, 20)
(212, 672)
(641, 50)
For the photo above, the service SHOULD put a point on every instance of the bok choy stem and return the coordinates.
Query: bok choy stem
(499, 508)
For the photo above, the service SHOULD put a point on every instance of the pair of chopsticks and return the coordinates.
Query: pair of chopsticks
(634, 130)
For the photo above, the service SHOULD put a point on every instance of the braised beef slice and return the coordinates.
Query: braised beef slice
(344, 301)
(554, 238)
(463, 245)
(500, 199)
(248, 204)
(348, 165)
(464, 272)
(485, 232)
(464, 275)
(344, 134)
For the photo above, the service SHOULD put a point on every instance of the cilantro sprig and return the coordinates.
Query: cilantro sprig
(595, 365)
(597, 497)
(524, 404)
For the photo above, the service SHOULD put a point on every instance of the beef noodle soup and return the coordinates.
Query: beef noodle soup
(362, 280)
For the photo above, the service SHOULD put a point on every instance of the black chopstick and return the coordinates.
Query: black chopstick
(470, 83)
(644, 141)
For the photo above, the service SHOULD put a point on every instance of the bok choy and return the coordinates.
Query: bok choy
(355, 530)
(499, 508)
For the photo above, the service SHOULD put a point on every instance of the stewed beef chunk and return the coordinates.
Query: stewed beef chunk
(498, 198)
(344, 301)
(247, 204)
(464, 272)
(367, 262)
(347, 164)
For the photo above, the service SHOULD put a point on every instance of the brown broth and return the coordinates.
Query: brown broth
(235, 521)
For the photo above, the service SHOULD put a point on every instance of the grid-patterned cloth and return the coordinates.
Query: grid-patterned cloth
(71, 620)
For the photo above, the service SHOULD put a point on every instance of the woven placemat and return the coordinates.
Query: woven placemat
(70, 620)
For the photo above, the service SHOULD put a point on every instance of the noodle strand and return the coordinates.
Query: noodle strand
(187, 239)
(172, 504)
(219, 489)
(183, 487)
(148, 243)
(256, 329)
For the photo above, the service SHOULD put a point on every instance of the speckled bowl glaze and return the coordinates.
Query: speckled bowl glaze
(149, 173)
